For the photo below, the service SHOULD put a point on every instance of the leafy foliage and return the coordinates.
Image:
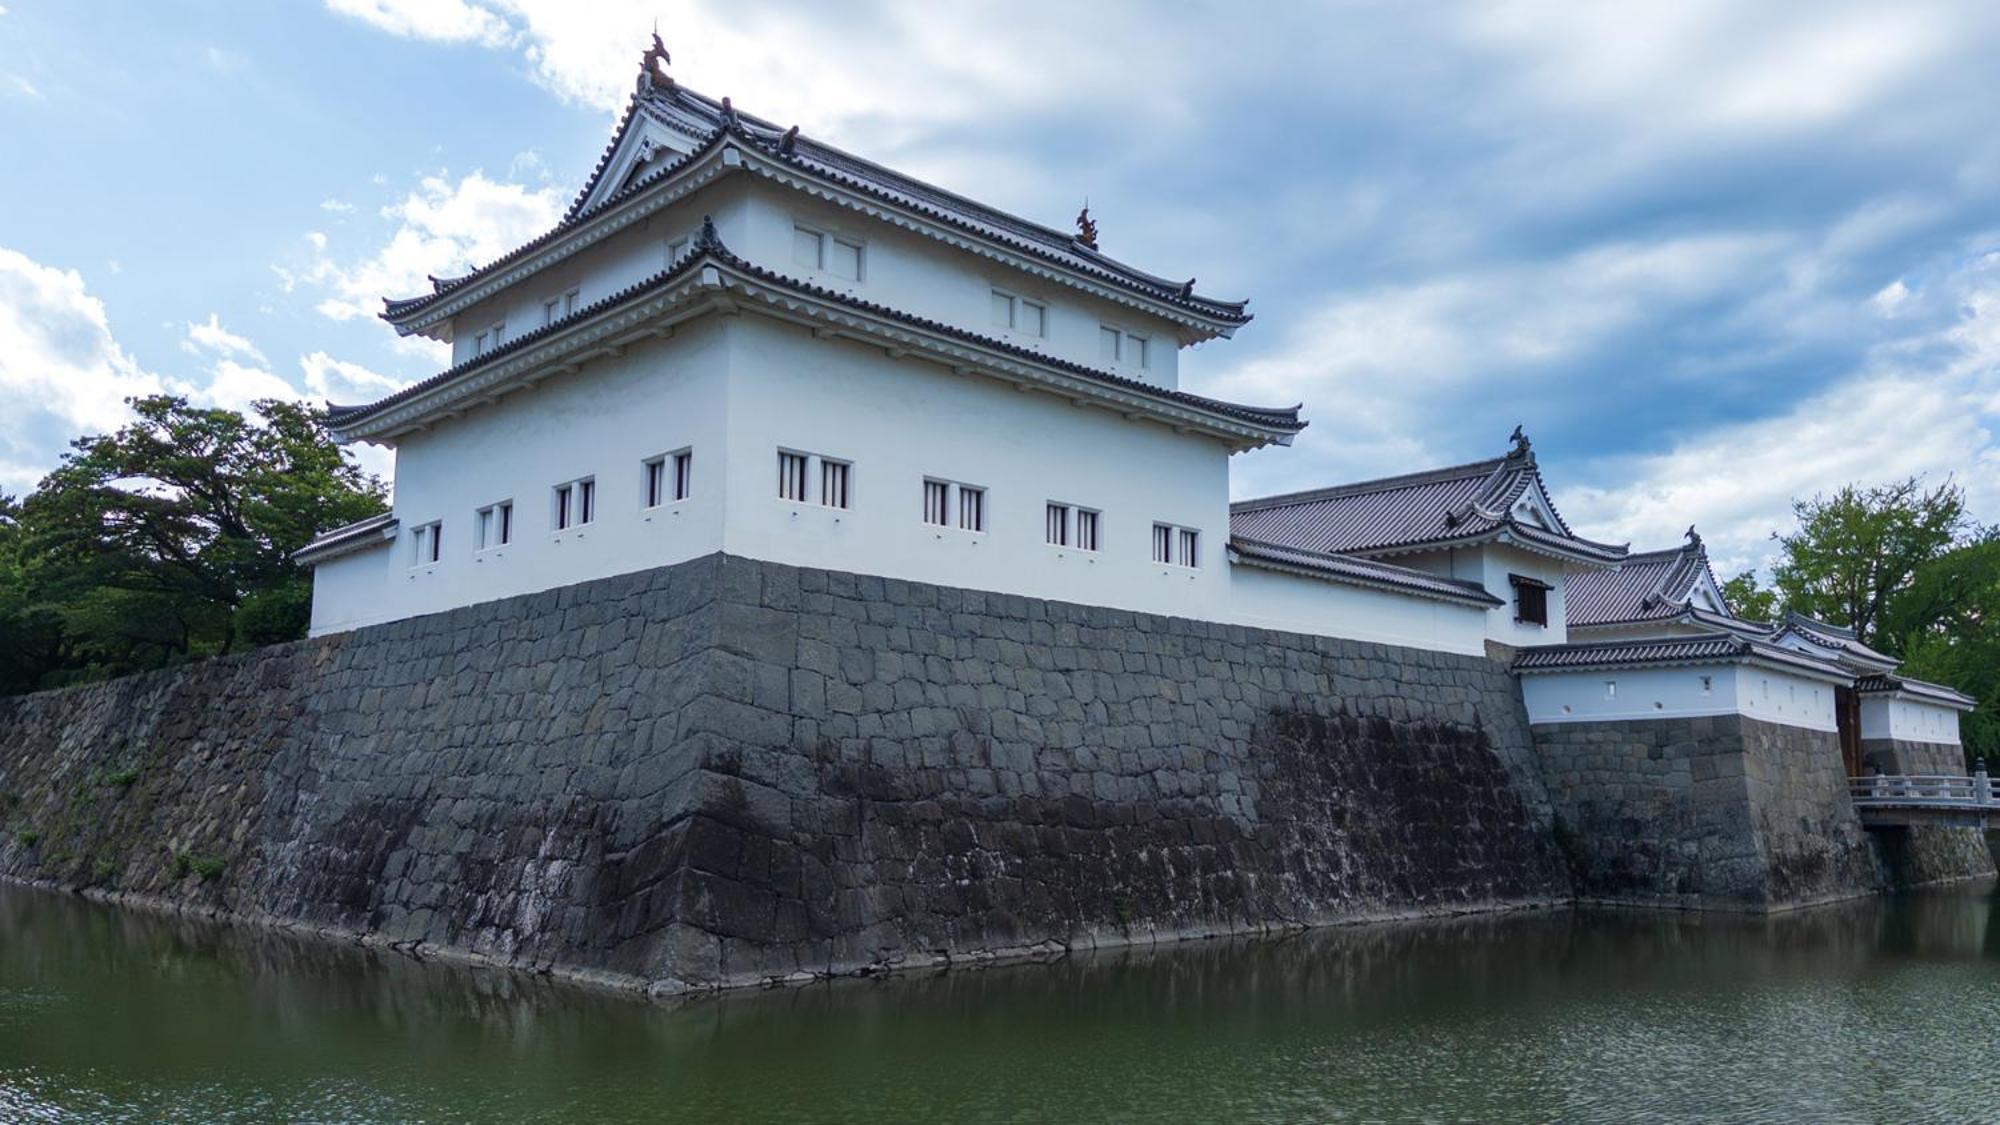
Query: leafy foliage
(170, 539)
(1855, 551)
(1748, 599)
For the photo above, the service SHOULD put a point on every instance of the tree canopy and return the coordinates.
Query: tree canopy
(170, 538)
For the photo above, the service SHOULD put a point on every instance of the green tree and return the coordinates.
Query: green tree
(173, 536)
(1748, 599)
(1856, 550)
(1946, 625)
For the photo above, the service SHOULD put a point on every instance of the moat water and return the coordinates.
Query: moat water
(1875, 1011)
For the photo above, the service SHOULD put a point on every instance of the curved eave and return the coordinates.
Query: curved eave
(1246, 553)
(1511, 534)
(708, 282)
(1918, 691)
(366, 535)
(727, 152)
(1558, 659)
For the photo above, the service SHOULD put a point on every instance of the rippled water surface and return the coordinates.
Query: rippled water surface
(1879, 1011)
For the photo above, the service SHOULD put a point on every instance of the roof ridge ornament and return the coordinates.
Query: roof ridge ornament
(1693, 538)
(708, 239)
(653, 65)
(1523, 448)
(1086, 227)
(789, 141)
(729, 117)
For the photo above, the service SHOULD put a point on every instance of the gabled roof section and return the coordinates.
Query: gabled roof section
(1798, 631)
(786, 154)
(710, 275)
(375, 531)
(1503, 499)
(1916, 689)
(1370, 573)
(1648, 586)
(1715, 648)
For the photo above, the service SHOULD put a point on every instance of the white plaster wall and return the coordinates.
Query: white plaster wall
(1908, 721)
(1297, 604)
(1665, 693)
(658, 397)
(901, 420)
(902, 270)
(917, 274)
(1490, 566)
(626, 258)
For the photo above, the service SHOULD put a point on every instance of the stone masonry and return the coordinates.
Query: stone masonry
(1719, 812)
(1927, 853)
(729, 771)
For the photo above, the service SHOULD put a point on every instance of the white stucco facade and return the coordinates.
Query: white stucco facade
(1908, 720)
(1614, 695)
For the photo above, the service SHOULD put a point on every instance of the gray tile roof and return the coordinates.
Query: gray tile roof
(1647, 586)
(1938, 693)
(1362, 572)
(708, 247)
(1717, 648)
(1446, 507)
(675, 103)
(356, 536)
(1833, 637)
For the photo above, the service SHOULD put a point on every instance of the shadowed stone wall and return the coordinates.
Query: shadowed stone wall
(1722, 811)
(726, 771)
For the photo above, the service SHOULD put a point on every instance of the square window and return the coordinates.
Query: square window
(479, 344)
(1163, 543)
(1107, 344)
(1137, 351)
(1531, 600)
(495, 526)
(808, 248)
(653, 481)
(937, 502)
(792, 476)
(1003, 310)
(971, 508)
(1190, 547)
(551, 311)
(684, 474)
(1034, 319)
(1086, 530)
(426, 543)
(833, 478)
(845, 259)
(675, 248)
(1057, 530)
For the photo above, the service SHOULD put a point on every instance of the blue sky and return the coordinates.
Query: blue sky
(1713, 255)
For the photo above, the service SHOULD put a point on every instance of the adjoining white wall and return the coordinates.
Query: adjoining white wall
(1684, 692)
(624, 259)
(1907, 720)
(657, 398)
(899, 421)
(1490, 566)
(1298, 604)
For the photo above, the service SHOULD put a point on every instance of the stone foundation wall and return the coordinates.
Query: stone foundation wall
(1926, 854)
(1721, 812)
(727, 771)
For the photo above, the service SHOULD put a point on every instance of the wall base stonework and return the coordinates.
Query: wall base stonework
(729, 771)
(1922, 854)
(1717, 812)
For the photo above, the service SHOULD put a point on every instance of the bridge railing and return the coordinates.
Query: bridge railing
(1922, 791)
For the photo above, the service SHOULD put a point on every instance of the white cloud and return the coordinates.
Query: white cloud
(1928, 404)
(451, 21)
(234, 386)
(444, 228)
(25, 88)
(213, 337)
(337, 206)
(333, 380)
(61, 371)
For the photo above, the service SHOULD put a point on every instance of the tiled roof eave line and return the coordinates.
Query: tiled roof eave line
(569, 238)
(1584, 551)
(550, 344)
(1247, 552)
(375, 531)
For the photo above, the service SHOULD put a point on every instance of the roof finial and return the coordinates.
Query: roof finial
(1086, 227)
(1521, 443)
(1693, 537)
(652, 64)
(787, 142)
(708, 239)
(729, 113)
